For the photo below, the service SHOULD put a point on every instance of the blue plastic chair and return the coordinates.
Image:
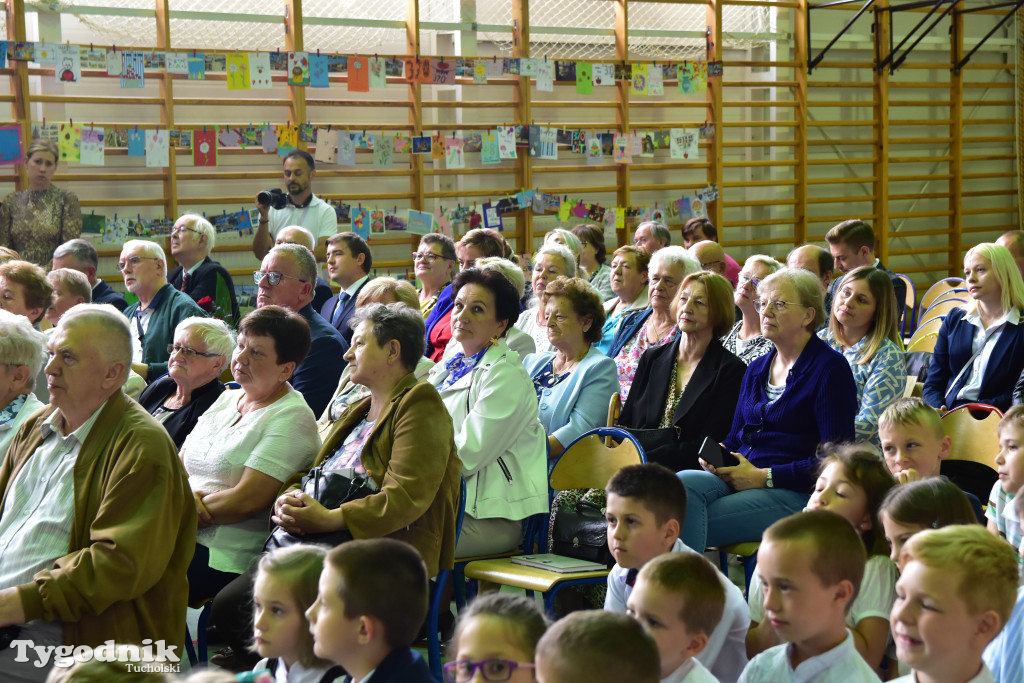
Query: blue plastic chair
(433, 635)
(190, 650)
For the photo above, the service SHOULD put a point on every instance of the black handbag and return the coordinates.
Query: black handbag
(330, 489)
(581, 531)
(660, 445)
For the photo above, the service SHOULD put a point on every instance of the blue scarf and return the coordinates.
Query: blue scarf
(459, 366)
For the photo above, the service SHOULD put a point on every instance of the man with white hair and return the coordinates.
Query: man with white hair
(79, 254)
(159, 310)
(285, 278)
(206, 281)
(652, 236)
(97, 521)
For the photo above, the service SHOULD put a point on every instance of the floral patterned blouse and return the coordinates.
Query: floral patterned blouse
(36, 223)
(629, 357)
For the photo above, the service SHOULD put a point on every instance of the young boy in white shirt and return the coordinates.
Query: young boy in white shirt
(956, 591)
(645, 510)
(679, 600)
(811, 565)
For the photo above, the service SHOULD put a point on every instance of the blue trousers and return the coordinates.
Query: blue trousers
(717, 514)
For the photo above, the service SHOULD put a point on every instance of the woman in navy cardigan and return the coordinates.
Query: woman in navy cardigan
(979, 353)
(692, 384)
(575, 381)
(792, 399)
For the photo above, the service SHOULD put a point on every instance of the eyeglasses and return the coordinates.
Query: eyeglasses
(273, 276)
(494, 670)
(182, 229)
(428, 257)
(778, 306)
(744, 279)
(134, 261)
(189, 352)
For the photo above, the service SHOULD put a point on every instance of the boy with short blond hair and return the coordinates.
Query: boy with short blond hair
(371, 602)
(679, 599)
(646, 509)
(955, 594)
(596, 646)
(811, 565)
(914, 444)
(913, 440)
(1002, 520)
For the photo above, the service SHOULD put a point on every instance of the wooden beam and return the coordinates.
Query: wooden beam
(715, 113)
(163, 41)
(881, 133)
(956, 133)
(623, 193)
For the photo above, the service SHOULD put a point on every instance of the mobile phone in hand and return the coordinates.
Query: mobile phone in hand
(715, 455)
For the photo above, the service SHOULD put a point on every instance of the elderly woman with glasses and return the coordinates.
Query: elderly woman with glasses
(434, 263)
(745, 339)
(23, 350)
(199, 353)
(799, 395)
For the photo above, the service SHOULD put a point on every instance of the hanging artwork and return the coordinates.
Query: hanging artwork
(92, 152)
(157, 148)
(453, 153)
(378, 76)
(259, 70)
(177, 62)
(10, 145)
(346, 150)
(204, 147)
(318, 75)
(638, 85)
(507, 142)
(584, 82)
(655, 80)
(70, 142)
(133, 74)
(548, 143)
(326, 146)
(358, 74)
(196, 67)
(383, 151)
(136, 143)
(489, 149)
(67, 68)
(298, 68)
(238, 71)
(545, 75)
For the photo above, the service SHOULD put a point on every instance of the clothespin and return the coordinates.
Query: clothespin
(71, 122)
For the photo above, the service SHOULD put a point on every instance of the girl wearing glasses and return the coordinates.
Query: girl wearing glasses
(496, 639)
(434, 263)
(745, 339)
(797, 396)
(864, 327)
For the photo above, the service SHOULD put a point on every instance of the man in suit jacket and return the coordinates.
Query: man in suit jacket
(159, 309)
(79, 254)
(318, 375)
(206, 281)
(348, 263)
(852, 244)
(96, 517)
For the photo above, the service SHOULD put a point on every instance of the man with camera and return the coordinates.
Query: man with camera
(297, 206)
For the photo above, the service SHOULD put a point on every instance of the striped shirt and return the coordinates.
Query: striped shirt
(35, 526)
(1004, 656)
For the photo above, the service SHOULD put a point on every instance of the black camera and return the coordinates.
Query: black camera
(275, 198)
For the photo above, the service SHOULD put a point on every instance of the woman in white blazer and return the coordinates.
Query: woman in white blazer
(493, 406)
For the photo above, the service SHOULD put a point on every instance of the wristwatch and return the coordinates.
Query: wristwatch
(768, 482)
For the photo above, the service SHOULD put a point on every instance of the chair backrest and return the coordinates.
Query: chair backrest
(925, 343)
(910, 305)
(975, 440)
(936, 290)
(614, 410)
(462, 508)
(927, 327)
(955, 293)
(944, 306)
(587, 463)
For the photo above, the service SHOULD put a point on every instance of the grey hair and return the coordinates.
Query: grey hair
(563, 253)
(808, 290)
(22, 344)
(201, 226)
(572, 242)
(767, 261)
(674, 256)
(218, 337)
(115, 342)
(511, 271)
(659, 230)
(398, 322)
(150, 249)
(83, 251)
(303, 258)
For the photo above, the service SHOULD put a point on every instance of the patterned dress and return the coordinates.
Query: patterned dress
(629, 357)
(36, 223)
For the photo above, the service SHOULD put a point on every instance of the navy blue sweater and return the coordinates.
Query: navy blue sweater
(818, 405)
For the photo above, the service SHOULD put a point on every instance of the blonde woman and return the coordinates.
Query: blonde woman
(979, 353)
(864, 328)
